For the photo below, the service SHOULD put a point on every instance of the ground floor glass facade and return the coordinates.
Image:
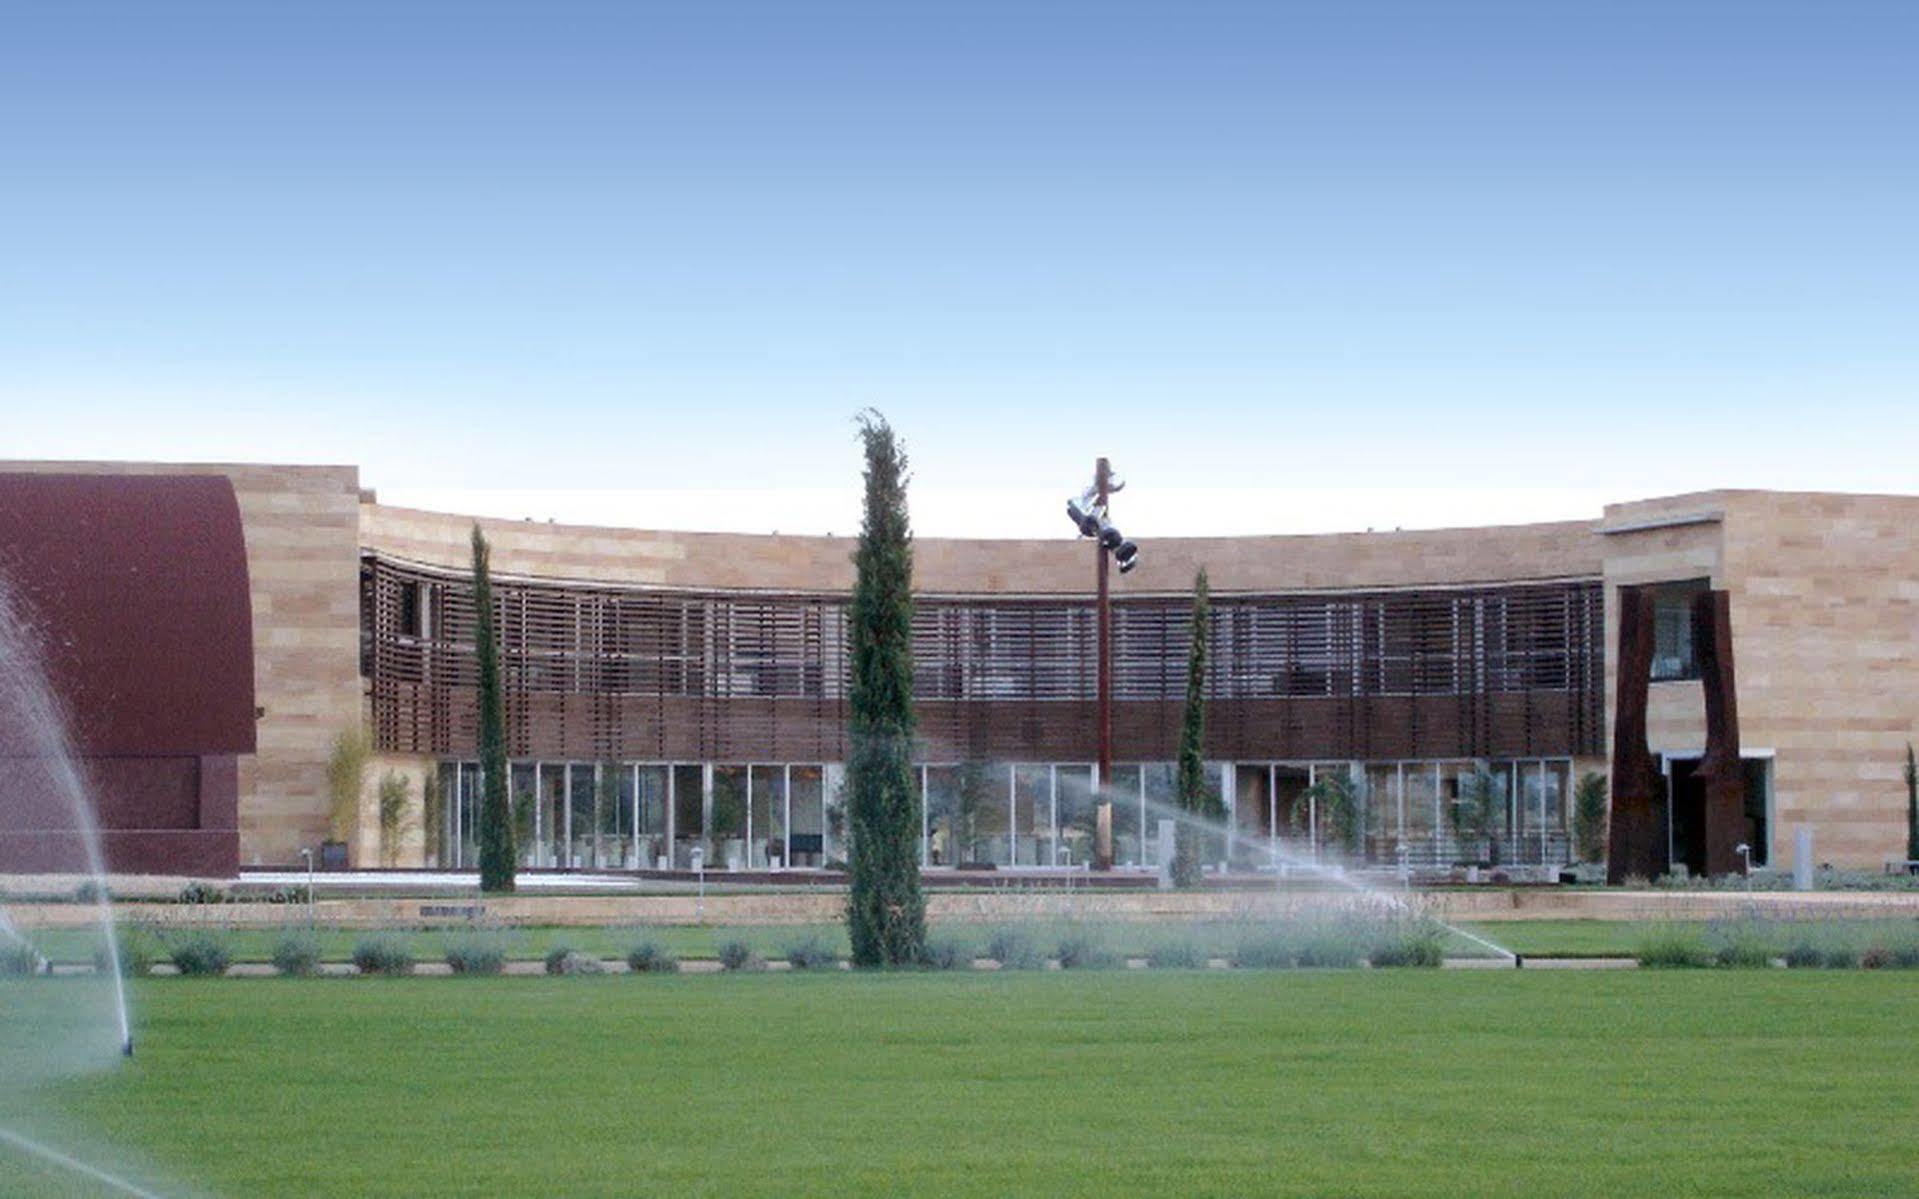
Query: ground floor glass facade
(771, 816)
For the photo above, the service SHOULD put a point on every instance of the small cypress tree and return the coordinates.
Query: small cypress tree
(885, 911)
(1912, 805)
(1190, 789)
(496, 815)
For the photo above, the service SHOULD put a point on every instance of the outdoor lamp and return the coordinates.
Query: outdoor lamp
(1080, 512)
(1109, 537)
(1127, 555)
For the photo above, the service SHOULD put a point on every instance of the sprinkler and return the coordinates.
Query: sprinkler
(1519, 963)
(126, 1047)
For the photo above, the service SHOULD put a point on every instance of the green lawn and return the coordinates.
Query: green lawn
(1284, 1083)
(1584, 938)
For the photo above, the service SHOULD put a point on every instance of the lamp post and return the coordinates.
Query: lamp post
(1089, 513)
(312, 920)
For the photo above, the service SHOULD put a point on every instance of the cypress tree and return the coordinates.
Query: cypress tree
(496, 815)
(1190, 786)
(1912, 805)
(885, 912)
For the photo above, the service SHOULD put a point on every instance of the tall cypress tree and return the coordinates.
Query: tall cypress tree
(1912, 805)
(496, 814)
(885, 912)
(1190, 787)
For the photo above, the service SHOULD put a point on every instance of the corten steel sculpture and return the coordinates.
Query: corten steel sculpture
(1720, 768)
(1637, 845)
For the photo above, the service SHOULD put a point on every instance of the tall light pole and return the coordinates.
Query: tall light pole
(1089, 513)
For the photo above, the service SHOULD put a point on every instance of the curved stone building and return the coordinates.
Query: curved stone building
(674, 692)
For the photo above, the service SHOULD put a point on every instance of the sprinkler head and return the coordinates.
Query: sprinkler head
(126, 1047)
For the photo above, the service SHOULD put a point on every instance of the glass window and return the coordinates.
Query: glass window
(652, 815)
(942, 846)
(526, 801)
(1422, 800)
(980, 820)
(616, 816)
(807, 810)
(727, 832)
(1122, 791)
(1161, 804)
(552, 814)
(583, 791)
(1032, 815)
(834, 784)
(1382, 809)
(769, 817)
(1078, 816)
(689, 816)
(1672, 658)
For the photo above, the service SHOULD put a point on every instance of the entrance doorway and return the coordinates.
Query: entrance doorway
(1686, 812)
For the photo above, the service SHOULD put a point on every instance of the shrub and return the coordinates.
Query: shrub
(571, 962)
(17, 959)
(1329, 949)
(201, 953)
(738, 955)
(1802, 954)
(1672, 946)
(137, 953)
(383, 955)
(650, 958)
(1176, 954)
(947, 953)
(1013, 949)
(1742, 944)
(297, 955)
(1841, 957)
(199, 892)
(1416, 944)
(475, 953)
(1084, 949)
(812, 953)
(1265, 949)
(1875, 957)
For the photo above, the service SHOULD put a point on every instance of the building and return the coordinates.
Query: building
(672, 692)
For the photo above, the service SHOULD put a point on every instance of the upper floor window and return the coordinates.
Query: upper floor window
(1672, 657)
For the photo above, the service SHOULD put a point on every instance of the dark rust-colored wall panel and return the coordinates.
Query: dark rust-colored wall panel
(1723, 772)
(1637, 841)
(136, 588)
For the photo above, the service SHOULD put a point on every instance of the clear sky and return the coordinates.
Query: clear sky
(1293, 266)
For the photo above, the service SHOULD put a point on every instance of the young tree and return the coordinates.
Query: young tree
(1476, 815)
(972, 796)
(496, 815)
(1589, 817)
(346, 780)
(1339, 806)
(1190, 789)
(396, 796)
(885, 912)
(433, 815)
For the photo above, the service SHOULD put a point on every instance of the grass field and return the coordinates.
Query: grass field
(1284, 1083)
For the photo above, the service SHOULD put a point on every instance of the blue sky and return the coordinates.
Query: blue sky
(1293, 266)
